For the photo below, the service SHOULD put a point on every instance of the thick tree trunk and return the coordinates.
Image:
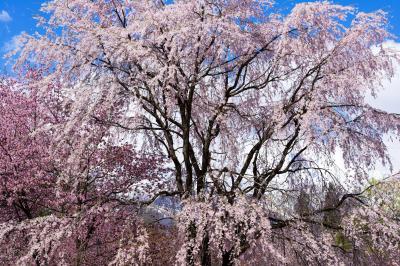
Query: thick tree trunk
(205, 252)
(227, 259)
(189, 252)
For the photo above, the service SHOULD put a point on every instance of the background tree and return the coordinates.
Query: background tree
(58, 210)
(332, 196)
(25, 165)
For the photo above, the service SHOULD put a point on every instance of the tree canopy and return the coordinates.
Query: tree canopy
(234, 111)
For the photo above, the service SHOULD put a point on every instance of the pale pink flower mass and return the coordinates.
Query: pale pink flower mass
(194, 132)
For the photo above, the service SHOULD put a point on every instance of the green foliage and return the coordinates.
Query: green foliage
(343, 242)
(373, 181)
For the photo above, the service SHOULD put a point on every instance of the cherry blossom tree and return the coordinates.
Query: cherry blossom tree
(249, 106)
(54, 209)
(25, 164)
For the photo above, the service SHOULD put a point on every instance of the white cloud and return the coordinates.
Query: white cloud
(11, 45)
(4, 16)
(388, 100)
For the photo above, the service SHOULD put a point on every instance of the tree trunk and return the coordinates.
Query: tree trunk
(189, 252)
(205, 252)
(227, 259)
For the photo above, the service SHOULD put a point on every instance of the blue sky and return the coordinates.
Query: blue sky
(16, 16)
